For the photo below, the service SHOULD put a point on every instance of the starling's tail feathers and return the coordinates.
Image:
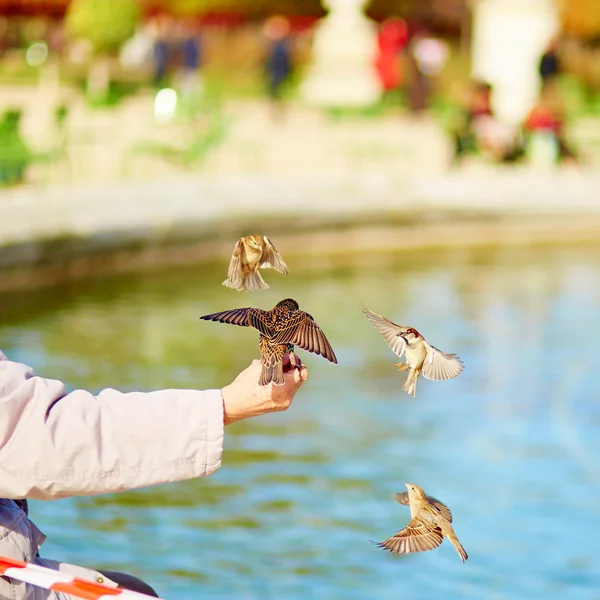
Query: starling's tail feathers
(272, 372)
(410, 387)
(254, 282)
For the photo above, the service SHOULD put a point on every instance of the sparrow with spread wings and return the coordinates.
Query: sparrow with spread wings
(281, 328)
(421, 357)
(251, 253)
(431, 522)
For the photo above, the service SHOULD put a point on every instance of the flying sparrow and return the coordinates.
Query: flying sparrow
(282, 327)
(431, 522)
(420, 356)
(249, 254)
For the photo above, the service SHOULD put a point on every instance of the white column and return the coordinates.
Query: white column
(342, 72)
(509, 36)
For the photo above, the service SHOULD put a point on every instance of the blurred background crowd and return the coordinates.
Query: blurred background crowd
(112, 89)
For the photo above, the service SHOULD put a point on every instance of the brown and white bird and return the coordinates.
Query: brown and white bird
(421, 357)
(249, 254)
(282, 327)
(431, 522)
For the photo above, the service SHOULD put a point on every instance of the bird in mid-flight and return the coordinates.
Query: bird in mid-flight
(421, 357)
(281, 328)
(431, 522)
(249, 254)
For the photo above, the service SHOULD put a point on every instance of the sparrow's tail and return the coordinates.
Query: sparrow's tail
(254, 282)
(457, 545)
(272, 371)
(235, 285)
(410, 387)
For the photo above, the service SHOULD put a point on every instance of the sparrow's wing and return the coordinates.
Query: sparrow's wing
(302, 330)
(236, 316)
(417, 536)
(235, 276)
(390, 331)
(441, 507)
(439, 365)
(271, 259)
(402, 498)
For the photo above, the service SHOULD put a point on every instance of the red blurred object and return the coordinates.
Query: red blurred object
(301, 23)
(391, 39)
(50, 8)
(542, 118)
(227, 20)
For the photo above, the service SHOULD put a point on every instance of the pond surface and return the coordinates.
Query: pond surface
(512, 445)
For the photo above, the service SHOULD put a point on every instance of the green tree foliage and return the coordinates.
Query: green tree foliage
(14, 153)
(580, 18)
(105, 23)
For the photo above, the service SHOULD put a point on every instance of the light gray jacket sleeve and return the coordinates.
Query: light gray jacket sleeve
(54, 444)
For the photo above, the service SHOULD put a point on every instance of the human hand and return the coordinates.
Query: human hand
(245, 398)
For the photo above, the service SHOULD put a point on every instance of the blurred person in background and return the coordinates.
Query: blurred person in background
(138, 51)
(192, 57)
(549, 66)
(478, 131)
(58, 444)
(161, 52)
(544, 128)
(278, 60)
(417, 81)
(391, 40)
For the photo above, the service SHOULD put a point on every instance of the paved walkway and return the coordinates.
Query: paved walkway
(204, 202)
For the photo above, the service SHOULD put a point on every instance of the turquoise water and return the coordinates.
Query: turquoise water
(512, 445)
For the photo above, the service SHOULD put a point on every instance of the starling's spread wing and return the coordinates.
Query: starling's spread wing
(235, 278)
(402, 498)
(390, 331)
(439, 365)
(261, 320)
(271, 259)
(236, 316)
(417, 536)
(300, 329)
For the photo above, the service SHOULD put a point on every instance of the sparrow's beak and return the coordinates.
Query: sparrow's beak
(407, 485)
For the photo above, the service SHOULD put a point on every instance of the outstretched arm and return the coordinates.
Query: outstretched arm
(55, 444)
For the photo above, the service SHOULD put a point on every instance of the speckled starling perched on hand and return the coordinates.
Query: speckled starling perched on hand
(280, 329)
(251, 253)
(420, 356)
(431, 522)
